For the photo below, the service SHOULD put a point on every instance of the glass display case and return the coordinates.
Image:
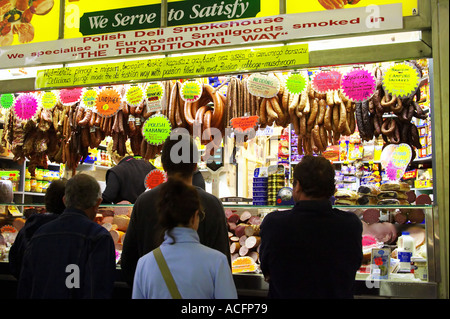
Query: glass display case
(382, 273)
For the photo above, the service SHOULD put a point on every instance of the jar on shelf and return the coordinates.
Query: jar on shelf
(6, 191)
(33, 185)
(27, 187)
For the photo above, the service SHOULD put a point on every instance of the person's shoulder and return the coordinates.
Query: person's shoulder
(212, 254)
(210, 198)
(278, 215)
(347, 216)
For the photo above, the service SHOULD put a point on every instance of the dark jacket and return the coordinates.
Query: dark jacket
(311, 251)
(126, 180)
(70, 257)
(144, 233)
(23, 239)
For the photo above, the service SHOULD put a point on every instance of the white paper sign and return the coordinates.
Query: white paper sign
(206, 36)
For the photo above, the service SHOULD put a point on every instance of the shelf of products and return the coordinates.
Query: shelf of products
(256, 167)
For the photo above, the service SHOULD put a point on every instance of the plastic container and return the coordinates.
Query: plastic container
(406, 248)
(419, 268)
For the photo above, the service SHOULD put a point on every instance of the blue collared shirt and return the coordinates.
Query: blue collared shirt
(199, 272)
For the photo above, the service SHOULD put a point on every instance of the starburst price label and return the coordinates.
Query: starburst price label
(134, 95)
(26, 106)
(89, 97)
(156, 129)
(358, 85)
(154, 178)
(401, 80)
(296, 83)
(191, 91)
(48, 100)
(108, 102)
(7, 100)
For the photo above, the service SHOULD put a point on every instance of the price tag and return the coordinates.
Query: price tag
(25, 106)
(156, 129)
(48, 100)
(154, 93)
(70, 96)
(401, 80)
(242, 124)
(263, 85)
(89, 97)
(191, 91)
(7, 100)
(395, 159)
(154, 178)
(358, 85)
(325, 81)
(296, 83)
(134, 95)
(108, 102)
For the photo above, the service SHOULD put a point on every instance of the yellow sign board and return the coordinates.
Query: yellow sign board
(279, 57)
(409, 7)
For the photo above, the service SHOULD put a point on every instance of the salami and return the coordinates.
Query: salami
(371, 215)
(233, 218)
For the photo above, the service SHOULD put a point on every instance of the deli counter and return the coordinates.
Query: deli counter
(243, 223)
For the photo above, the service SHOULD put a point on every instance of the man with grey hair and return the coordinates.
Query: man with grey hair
(71, 257)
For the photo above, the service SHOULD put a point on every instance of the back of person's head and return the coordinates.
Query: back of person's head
(177, 204)
(179, 155)
(316, 176)
(82, 192)
(54, 196)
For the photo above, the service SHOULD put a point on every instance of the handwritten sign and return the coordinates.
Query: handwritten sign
(176, 67)
(108, 102)
(296, 83)
(325, 81)
(242, 124)
(191, 91)
(358, 85)
(156, 129)
(69, 97)
(48, 100)
(154, 93)
(89, 97)
(395, 159)
(134, 95)
(401, 80)
(263, 85)
(25, 106)
(154, 178)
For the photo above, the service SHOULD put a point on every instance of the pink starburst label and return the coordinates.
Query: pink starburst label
(358, 85)
(25, 106)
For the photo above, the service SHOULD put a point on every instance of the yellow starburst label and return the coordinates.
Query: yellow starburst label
(401, 80)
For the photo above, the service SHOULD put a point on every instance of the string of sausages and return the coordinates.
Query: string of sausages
(390, 116)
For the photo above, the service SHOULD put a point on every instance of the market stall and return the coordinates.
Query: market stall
(254, 111)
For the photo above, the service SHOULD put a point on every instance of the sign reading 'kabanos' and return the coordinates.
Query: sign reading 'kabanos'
(206, 36)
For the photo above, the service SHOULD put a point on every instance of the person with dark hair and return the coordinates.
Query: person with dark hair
(179, 159)
(321, 244)
(196, 271)
(71, 257)
(54, 206)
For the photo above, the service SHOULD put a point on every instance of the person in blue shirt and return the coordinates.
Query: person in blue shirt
(199, 272)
